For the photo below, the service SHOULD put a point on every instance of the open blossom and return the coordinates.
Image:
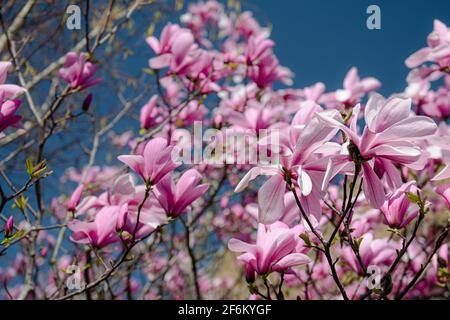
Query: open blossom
(256, 117)
(438, 50)
(354, 89)
(264, 67)
(174, 49)
(314, 92)
(303, 166)
(100, 232)
(113, 214)
(151, 115)
(174, 199)
(78, 72)
(8, 100)
(276, 249)
(202, 15)
(155, 162)
(398, 210)
(436, 104)
(388, 138)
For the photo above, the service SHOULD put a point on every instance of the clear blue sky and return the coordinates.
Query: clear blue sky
(320, 40)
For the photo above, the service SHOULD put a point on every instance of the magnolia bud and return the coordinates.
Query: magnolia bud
(249, 273)
(9, 227)
(87, 102)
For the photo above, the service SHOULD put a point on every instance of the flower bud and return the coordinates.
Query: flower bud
(9, 227)
(87, 102)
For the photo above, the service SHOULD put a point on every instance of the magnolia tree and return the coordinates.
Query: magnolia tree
(199, 180)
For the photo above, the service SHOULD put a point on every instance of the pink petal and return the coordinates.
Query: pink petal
(271, 199)
(373, 187)
(291, 260)
(418, 58)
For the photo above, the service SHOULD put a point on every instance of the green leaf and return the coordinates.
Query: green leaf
(358, 242)
(20, 202)
(304, 236)
(413, 197)
(39, 169)
(29, 165)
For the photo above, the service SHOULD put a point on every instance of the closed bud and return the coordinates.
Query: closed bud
(9, 227)
(249, 273)
(87, 102)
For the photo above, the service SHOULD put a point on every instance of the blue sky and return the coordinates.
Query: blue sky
(320, 40)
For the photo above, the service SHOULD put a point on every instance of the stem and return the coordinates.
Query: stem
(326, 247)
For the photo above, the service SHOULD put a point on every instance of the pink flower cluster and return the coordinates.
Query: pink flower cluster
(360, 182)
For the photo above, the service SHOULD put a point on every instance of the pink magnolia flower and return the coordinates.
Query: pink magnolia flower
(246, 25)
(125, 192)
(173, 50)
(155, 162)
(389, 138)
(9, 227)
(8, 102)
(204, 15)
(174, 199)
(256, 117)
(276, 249)
(444, 191)
(269, 71)
(314, 92)
(354, 89)
(438, 49)
(436, 104)
(264, 67)
(151, 115)
(78, 72)
(398, 210)
(100, 232)
(304, 165)
(75, 198)
(191, 113)
(375, 252)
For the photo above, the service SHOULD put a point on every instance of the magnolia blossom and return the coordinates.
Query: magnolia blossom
(8, 100)
(98, 233)
(438, 49)
(78, 72)
(151, 115)
(155, 162)
(175, 49)
(436, 104)
(354, 89)
(398, 210)
(174, 199)
(302, 166)
(264, 68)
(119, 207)
(389, 138)
(277, 248)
